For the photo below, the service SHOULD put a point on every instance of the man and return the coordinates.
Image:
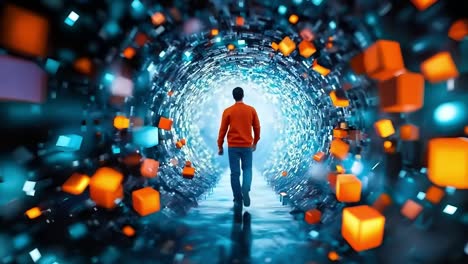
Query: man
(240, 118)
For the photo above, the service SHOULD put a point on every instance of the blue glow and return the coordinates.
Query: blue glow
(137, 5)
(241, 42)
(146, 136)
(71, 18)
(69, 142)
(297, 2)
(21, 240)
(317, 2)
(313, 234)
(77, 230)
(52, 66)
(450, 209)
(108, 77)
(282, 9)
(218, 39)
(357, 168)
(112, 28)
(448, 113)
(187, 55)
(162, 54)
(115, 150)
(332, 24)
(421, 196)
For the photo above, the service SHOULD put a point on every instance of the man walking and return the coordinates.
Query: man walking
(240, 118)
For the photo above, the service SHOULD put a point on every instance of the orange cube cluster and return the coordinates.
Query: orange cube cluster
(402, 93)
(439, 67)
(76, 184)
(339, 99)
(339, 148)
(319, 156)
(409, 132)
(384, 128)
(149, 168)
(34, 212)
(146, 201)
(362, 227)
(459, 29)
(286, 46)
(382, 202)
(106, 187)
(306, 49)
(121, 122)
(348, 188)
(24, 31)
(448, 162)
(381, 61)
(312, 216)
(411, 209)
(165, 123)
(434, 194)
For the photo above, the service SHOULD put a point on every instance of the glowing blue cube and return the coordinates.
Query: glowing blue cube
(69, 142)
(77, 230)
(71, 18)
(282, 9)
(52, 66)
(146, 136)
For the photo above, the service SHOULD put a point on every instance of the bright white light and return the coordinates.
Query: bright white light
(71, 18)
(450, 209)
(450, 84)
(421, 196)
(162, 53)
(241, 42)
(313, 234)
(357, 168)
(217, 39)
(445, 113)
(35, 254)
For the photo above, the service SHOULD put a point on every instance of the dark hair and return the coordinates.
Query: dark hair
(238, 93)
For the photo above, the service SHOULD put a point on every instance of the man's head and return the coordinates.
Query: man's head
(238, 94)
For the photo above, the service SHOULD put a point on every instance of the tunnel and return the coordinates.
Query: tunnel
(112, 111)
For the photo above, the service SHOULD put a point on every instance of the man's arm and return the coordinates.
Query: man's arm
(223, 129)
(256, 127)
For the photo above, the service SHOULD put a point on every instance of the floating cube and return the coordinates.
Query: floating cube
(362, 227)
(439, 67)
(382, 202)
(319, 156)
(381, 61)
(402, 93)
(293, 19)
(448, 162)
(165, 123)
(179, 144)
(15, 86)
(434, 194)
(121, 122)
(286, 46)
(339, 148)
(340, 133)
(69, 142)
(149, 168)
(146, 136)
(34, 212)
(240, 21)
(158, 18)
(348, 188)
(146, 201)
(320, 69)
(83, 66)
(188, 172)
(409, 132)
(306, 48)
(331, 178)
(183, 141)
(105, 187)
(274, 46)
(307, 34)
(312, 216)
(76, 184)
(122, 87)
(128, 231)
(24, 31)
(411, 209)
(422, 5)
(459, 29)
(339, 99)
(384, 128)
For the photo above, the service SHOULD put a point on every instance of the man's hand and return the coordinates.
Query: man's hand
(254, 147)
(220, 151)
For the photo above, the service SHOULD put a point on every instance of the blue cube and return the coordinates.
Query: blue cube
(69, 142)
(146, 136)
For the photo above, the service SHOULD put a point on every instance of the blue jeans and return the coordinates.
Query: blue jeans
(244, 156)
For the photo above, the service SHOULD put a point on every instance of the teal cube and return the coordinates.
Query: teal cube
(146, 136)
(69, 142)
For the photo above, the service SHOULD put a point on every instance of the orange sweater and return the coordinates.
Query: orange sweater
(240, 118)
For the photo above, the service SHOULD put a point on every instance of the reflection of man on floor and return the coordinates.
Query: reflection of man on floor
(241, 237)
(240, 118)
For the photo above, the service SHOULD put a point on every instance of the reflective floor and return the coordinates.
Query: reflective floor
(265, 232)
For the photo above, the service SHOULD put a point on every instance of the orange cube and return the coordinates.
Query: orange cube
(76, 184)
(105, 187)
(141, 39)
(319, 156)
(188, 172)
(340, 169)
(293, 19)
(128, 231)
(422, 5)
(320, 69)
(411, 209)
(448, 162)
(339, 148)
(382, 202)
(339, 99)
(459, 29)
(439, 67)
(149, 168)
(340, 133)
(402, 93)
(24, 31)
(286, 46)
(274, 46)
(240, 21)
(179, 144)
(121, 122)
(312, 216)
(34, 212)
(158, 18)
(389, 147)
(384, 128)
(333, 256)
(306, 48)
(362, 227)
(146, 201)
(83, 66)
(231, 47)
(381, 61)
(409, 132)
(332, 180)
(183, 141)
(434, 194)
(165, 123)
(129, 53)
(214, 32)
(348, 188)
